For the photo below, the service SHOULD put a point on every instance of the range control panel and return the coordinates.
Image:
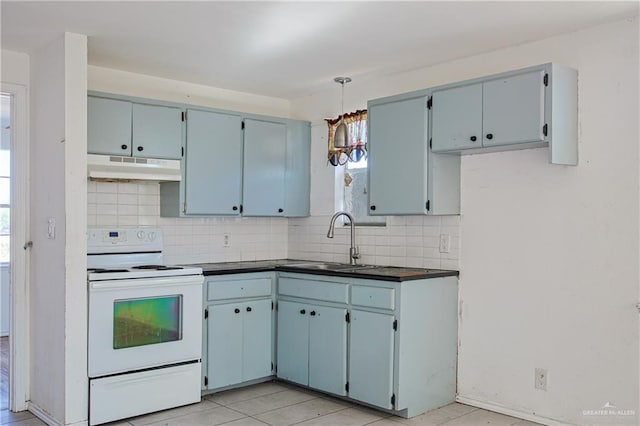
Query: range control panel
(122, 240)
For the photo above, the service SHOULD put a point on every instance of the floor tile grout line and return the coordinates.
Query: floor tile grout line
(382, 418)
(244, 400)
(172, 417)
(457, 417)
(285, 406)
(268, 411)
(302, 421)
(293, 405)
(234, 420)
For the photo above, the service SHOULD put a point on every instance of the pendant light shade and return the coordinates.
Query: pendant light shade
(341, 138)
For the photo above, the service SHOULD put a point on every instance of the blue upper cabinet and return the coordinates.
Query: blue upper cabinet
(122, 127)
(529, 108)
(457, 118)
(241, 165)
(232, 163)
(265, 148)
(513, 109)
(108, 126)
(213, 163)
(504, 111)
(157, 131)
(404, 177)
(398, 157)
(297, 173)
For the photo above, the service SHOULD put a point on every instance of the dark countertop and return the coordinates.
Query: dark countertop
(374, 272)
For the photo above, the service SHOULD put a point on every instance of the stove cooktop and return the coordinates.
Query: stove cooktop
(139, 271)
(157, 267)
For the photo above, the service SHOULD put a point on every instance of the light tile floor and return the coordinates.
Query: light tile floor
(280, 404)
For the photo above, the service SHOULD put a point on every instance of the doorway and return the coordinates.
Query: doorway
(6, 101)
(14, 359)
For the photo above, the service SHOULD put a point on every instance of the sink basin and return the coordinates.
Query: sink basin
(330, 266)
(324, 266)
(354, 268)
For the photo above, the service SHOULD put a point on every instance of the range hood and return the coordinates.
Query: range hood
(116, 168)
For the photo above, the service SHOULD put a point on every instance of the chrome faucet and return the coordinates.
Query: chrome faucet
(354, 254)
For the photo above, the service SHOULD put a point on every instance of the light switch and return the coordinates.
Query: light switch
(51, 228)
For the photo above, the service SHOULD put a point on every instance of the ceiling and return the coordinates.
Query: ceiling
(291, 49)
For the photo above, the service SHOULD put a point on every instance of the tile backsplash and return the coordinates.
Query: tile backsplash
(186, 240)
(411, 241)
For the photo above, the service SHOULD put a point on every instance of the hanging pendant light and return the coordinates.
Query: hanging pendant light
(341, 137)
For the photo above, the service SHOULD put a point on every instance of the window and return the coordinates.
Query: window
(354, 158)
(356, 199)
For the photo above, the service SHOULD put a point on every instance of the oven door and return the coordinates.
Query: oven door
(143, 323)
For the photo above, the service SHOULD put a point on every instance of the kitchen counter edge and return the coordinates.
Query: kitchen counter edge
(226, 268)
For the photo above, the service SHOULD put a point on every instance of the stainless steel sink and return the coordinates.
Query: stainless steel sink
(330, 266)
(324, 266)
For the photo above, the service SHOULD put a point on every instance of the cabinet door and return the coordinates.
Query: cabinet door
(108, 126)
(456, 120)
(298, 176)
(213, 162)
(513, 109)
(328, 349)
(397, 135)
(256, 340)
(224, 345)
(293, 342)
(157, 131)
(264, 168)
(371, 358)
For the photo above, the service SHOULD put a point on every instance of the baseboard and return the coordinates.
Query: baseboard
(509, 411)
(42, 415)
(46, 417)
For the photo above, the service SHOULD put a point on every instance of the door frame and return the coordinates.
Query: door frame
(19, 327)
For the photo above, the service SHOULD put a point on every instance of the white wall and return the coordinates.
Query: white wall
(75, 169)
(47, 273)
(127, 83)
(549, 264)
(14, 68)
(549, 261)
(58, 377)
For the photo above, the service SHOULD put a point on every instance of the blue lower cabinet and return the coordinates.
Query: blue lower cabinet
(256, 339)
(225, 364)
(239, 343)
(371, 350)
(328, 349)
(293, 342)
(312, 346)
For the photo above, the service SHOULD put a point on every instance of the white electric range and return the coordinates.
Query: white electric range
(145, 326)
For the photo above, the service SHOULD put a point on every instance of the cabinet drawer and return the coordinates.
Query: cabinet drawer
(318, 290)
(374, 297)
(220, 290)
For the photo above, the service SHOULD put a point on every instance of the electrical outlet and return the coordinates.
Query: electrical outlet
(445, 243)
(226, 240)
(541, 379)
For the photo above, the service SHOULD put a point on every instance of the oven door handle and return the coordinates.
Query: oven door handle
(137, 283)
